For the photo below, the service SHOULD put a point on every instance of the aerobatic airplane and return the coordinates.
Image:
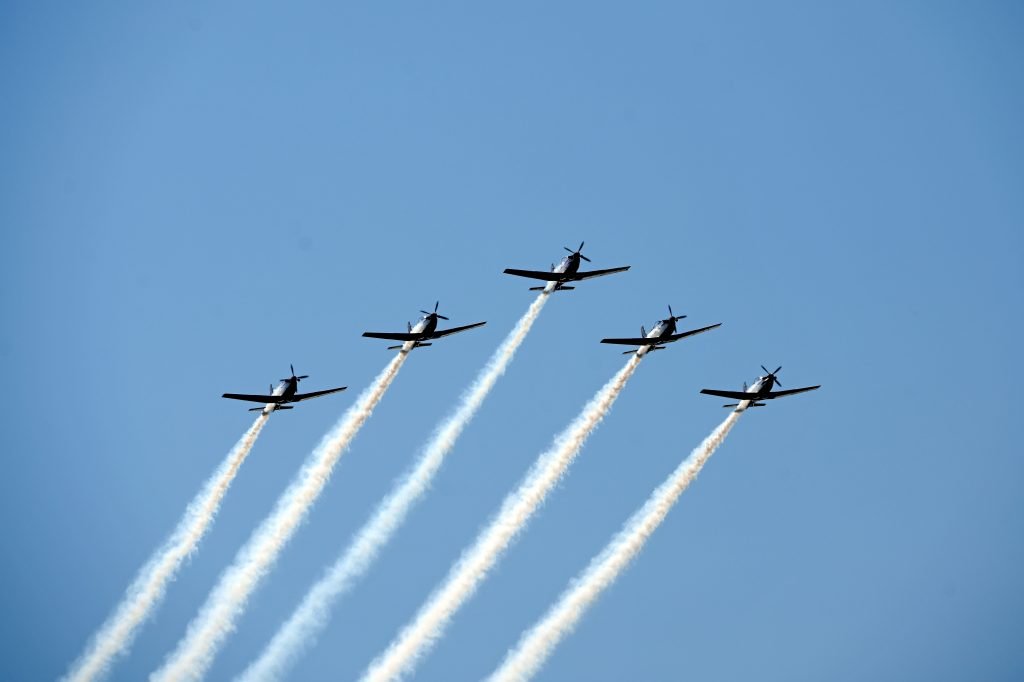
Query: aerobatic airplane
(663, 332)
(284, 393)
(566, 271)
(424, 330)
(760, 390)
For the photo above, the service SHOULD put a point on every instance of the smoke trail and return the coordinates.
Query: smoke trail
(216, 619)
(472, 567)
(149, 587)
(300, 630)
(537, 644)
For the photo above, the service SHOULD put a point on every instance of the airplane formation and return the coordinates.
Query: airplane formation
(217, 617)
(421, 334)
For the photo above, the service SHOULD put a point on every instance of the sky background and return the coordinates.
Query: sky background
(194, 196)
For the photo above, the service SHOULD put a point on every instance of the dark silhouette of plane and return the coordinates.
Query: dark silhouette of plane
(566, 271)
(759, 391)
(663, 332)
(284, 393)
(424, 330)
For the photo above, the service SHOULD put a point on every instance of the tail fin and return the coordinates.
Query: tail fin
(629, 352)
(731, 405)
(536, 288)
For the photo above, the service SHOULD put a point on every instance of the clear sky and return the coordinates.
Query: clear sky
(195, 195)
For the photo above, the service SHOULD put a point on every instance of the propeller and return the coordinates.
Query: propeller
(292, 368)
(772, 374)
(672, 316)
(577, 252)
(435, 313)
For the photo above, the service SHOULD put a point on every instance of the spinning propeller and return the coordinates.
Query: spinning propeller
(293, 377)
(673, 317)
(435, 313)
(577, 252)
(772, 374)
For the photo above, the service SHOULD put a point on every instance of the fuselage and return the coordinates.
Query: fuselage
(760, 387)
(567, 266)
(286, 388)
(425, 325)
(662, 328)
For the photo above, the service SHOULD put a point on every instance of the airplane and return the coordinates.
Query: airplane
(284, 393)
(759, 391)
(566, 271)
(663, 332)
(424, 330)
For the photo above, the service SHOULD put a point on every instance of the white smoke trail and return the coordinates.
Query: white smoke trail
(216, 620)
(147, 591)
(300, 631)
(469, 571)
(537, 643)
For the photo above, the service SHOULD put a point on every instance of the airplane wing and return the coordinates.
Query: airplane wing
(734, 395)
(638, 341)
(254, 398)
(648, 341)
(742, 395)
(683, 335)
(537, 274)
(393, 336)
(454, 330)
(595, 273)
(790, 391)
(299, 397)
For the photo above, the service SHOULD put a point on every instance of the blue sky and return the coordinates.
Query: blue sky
(193, 197)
